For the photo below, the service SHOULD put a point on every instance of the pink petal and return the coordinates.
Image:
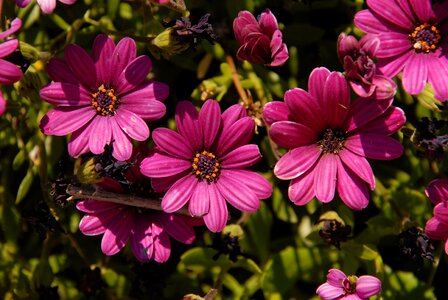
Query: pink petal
(305, 109)
(216, 218)
(47, 6)
(162, 244)
(280, 57)
(117, 233)
(199, 204)
(68, 2)
(210, 120)
(122, 144)
(102, 52)
(8, 47)
(16, 24)
(59, 71)
(415, 74)
(176, 227)
(65, 94)
(142, 241)
(233, 114)
(367, 286)
(243, 19)
(375, 146)
(96, 207)
(437, 72)
(64, 120)
(336, 99)
(92, 225)
(385, 88)
(163, 184)
(268, 22)
(9, 73)
(187, 124)
(436, 229)
(368, 22)
(296, 162)
(423, 9)
(441, 212)
(162, 165)
(391, 12)
(393, 44)
(363, 111)
(237, 193)
(352, 190)
(133, 75)
(325, 177)
(124, 53)
(132, 124)
(98, 141)
(179, 193)
(437, 190)
(370, 44)
(359, 165)
(335, 277)
(329, 292)
(275, 111)
(391, 66)
(254, 181)
(316, 82)
(241, 157)
(147, 91)
(82, 66)
(388, 123)
(79, 141)
(150, 110)
(238, 134)
(172, 143)
(301, 189)
(2, 104)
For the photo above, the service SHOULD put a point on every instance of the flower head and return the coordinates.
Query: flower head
(47, 6)
(9, 72)
(102, 98)
(261, 41)
(360, 68)
(413, 39)
(204, 163)
(437, 191)
(437, 227)
(147, 230)
(330, 138)
(341, 286)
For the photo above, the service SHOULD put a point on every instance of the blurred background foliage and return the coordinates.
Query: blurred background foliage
(280, 252)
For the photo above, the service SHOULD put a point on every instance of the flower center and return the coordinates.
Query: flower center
(349, 284)
(104, 102)
(206, 166)
(332, 141)
(425, 38)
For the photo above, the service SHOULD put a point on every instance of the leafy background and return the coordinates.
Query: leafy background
(43, 254)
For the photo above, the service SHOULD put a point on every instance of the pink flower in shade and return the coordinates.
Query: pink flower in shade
(261, 41)
(9, 72)
(102, 98)
(437, 227)
(47, 6)
(360, 69)
(340, 286)
(205, 162)
(330, 138)
(147, 230)
(413, 37)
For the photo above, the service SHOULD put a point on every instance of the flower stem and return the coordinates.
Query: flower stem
(237, 83)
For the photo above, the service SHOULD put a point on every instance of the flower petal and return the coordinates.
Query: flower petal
(216, 218)
(368, 22)
(368, 286)
(82, 65)
(122, 144)
(437, 190)
(329, 292)
(393, 44)
(359, 165)
(275, 111)
(388, 123)
(102, 135)
(142, 241)
(176, 227)
(254, 181)
(161, 165)
(305, 109)
(210, 120)
(162, 244)
(163, 184)
(352, 190)
(9, 73)
(296, 162)
(375, 146)
(325, 177)
(415, 74)
(316, 82)
(423, 9)
(233, 114)
(16, 24)
(391, 12)
(199, 204)
(64, 120)
(133, 75)
(172, 143)
(118, 233)
(59, 71)
(187, 124)
(336, 99)
(102, 52)
(237, 193)
(436, 230)
(147, 91)
(124, 53)
(179, 193)
(47, 6)
(391, 66)
(290, 135)
(132, 124)
(301, 189)
(363, 111)
(8, 47)
(79, 141)
(65, 94)
(335, 277)
(437, 73)
(238, 134)
(241, 157)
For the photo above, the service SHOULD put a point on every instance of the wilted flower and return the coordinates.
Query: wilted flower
(340, 286)
(9, 72)
(333, 229)
(47, 6)
(360, 69)
(416, 245)
(102, 98)
(413, 39)
(205, 162)
(330, 138)
(261, 41)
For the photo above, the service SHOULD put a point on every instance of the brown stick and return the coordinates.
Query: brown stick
(86, 191)
(237, 83)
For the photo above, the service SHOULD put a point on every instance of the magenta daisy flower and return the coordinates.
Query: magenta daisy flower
(9, 72)
(204, 163)
(340, 286)
(47, 6)
(330, 138)
(437, 227)
(147, 230)
(413, 36)
(102, 98)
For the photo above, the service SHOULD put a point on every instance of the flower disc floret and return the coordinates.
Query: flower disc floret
(206, 166)
(104, 102)
(425, 38)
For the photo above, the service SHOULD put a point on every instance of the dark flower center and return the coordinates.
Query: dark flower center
(349, 284)
(332, 141)
(425, 38)
(104, 102)
(206, 166)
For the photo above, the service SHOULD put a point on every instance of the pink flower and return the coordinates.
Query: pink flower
(360, 69)
(340, 286)
(147, 230)
(47, 6)
(261, 42)
(437, 227)
(9, 72)
(330, 138)
(413, 37)
(205, 162)
(102, 98)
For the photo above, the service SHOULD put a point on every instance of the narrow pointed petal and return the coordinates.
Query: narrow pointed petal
(172, 143)
(132, 124)
(59, 71)
(329, 292)
(64, 120)
(423, 9)
(290, 135)
(9, 73)
(254, 181)
(352, 190)
(335, 277)
(359, 165)
(101, 126)
(437, 190)
(375, 146)
(367, 286)
(188, 124)
(363, 111)
(316, 82)
(162, 244)
(437, 72)
(150, 110)
(102, 52)
(296, 162)
(210, 120)
(415, 74)
(391, 12)
(65, 94)
(368, 22)
(238, 134)
(124, 53)
(216, 218)
(142, 241)
(393, 44)
(47, 6)
(336, 97)
(163, 184)
(81, 65)
(275, 111)
(241, 157)
(177, 228)
(325, 177)
(147, 91)
(179, 194)
(162, 165)
(79, 141)
(118, 233)
(122, 144)
(237, 193)
(199, 204)
(301, 189)
(133, 75)
(305, 109)
(388, 123)
(7, 47)
(233, 114)
(391, 66)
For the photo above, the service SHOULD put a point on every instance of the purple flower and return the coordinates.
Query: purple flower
(437, 227)
(413, 38)
(9, 72)
(360, 69)
(205, 162)
(330, 138)
(340, 286)
(261, 42)
(47, 6)
(102, 98)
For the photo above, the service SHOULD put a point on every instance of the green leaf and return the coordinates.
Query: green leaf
(42, 275)
(282, 207)
(361, 251)
(200, 260)
(25, 185)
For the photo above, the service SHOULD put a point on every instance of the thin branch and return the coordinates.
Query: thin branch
(237, 83)
(87, 191)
